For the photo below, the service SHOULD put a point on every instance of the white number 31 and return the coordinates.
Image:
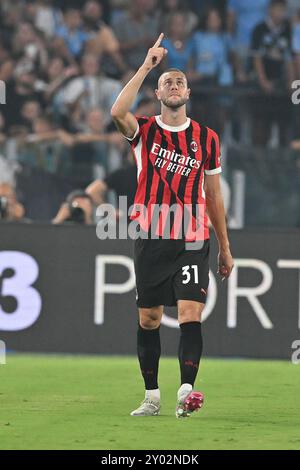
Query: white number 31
(186, 271)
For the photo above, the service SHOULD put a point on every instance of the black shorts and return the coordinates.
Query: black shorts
(166, 272)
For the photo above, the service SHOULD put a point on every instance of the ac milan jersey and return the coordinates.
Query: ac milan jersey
(171, 164)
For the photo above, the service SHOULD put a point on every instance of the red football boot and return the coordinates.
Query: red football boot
(188, 404)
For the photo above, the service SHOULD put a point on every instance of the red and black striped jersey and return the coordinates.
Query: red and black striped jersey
(171, 164)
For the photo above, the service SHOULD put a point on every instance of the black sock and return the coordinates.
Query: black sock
(148, 348)
(190, 350)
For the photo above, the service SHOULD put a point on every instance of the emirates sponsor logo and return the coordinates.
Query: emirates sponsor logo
(177, 163)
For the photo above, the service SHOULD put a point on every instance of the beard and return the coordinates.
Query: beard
(169, 103)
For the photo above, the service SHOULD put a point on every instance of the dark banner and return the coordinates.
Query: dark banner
(64, 290)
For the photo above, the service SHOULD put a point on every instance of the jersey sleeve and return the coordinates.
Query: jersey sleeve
(139, 131)
(212, 164)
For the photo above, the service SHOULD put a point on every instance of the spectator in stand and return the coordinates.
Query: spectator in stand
(103, 41)
(94, 132)
(21, 90)
(71, 32)
(136, 32)
(7, 66)
(43, 129)
(89, 150)
(77, 209)
(29, 45)
(211, 68)
(273, 64)
(11, 209)
(243, 17)
(48, 151)
(92, 89)
(10, 18)
(41, 149)
(30, 111)
(57, 76)
(45, 16)
(122, 181)
(179, 45)
(211, 48)
(170, 7)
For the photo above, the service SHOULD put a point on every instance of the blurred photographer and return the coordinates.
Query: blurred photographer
(10, 209)
(77, 209)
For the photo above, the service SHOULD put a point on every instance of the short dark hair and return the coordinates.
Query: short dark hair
(172, 69)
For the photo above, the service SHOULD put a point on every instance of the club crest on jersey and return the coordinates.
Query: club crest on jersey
(194, 146)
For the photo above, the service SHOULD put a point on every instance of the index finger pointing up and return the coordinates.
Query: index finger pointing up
(160, 38)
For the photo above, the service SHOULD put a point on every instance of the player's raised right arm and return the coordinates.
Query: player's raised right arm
(123, 118)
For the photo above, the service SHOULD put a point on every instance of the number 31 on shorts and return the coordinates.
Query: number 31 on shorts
(189, 271)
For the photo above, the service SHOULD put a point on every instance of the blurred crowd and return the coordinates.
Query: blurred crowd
(64, 63)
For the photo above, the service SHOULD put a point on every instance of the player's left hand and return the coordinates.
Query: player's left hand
(225, 264)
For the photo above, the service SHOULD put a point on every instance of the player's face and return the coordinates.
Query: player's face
(172, 90)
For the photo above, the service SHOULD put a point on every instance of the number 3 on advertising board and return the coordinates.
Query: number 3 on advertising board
(18, 271)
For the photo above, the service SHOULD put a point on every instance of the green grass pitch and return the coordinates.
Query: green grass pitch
(83, 402)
